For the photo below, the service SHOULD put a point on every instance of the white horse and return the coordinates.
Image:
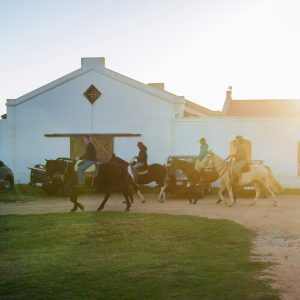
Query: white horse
(258, 175)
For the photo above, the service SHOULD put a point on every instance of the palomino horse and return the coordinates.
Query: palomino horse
(109, 176)
(257, 175)
(156, 172)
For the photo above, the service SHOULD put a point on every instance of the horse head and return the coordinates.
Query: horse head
(119, 161)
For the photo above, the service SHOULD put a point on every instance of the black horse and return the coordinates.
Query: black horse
(196, 189)
(108, 176)
(124, 164)
(156, 172)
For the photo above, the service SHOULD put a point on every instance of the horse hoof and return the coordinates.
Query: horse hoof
(144, 201)
(73, 209)
(127, 209)
(219, 201)
(81, 207)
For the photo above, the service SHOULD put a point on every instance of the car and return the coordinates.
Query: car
(179, 183)
(6, 177)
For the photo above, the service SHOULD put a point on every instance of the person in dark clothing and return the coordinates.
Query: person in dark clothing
(141, 160)
(89, 158)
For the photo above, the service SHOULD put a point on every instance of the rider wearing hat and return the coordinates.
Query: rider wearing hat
(240, 158)
(141, 160)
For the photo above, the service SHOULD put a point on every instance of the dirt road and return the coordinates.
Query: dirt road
(278, 227)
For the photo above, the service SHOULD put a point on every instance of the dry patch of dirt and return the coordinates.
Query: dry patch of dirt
(278, 227)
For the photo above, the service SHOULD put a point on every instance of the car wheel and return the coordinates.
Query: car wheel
(8, 183)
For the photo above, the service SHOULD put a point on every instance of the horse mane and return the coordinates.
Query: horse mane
(118, 160)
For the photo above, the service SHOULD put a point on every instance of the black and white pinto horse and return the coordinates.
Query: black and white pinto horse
(109, 176)
(156, 173)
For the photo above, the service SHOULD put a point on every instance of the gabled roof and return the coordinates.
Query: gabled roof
(263, 108)
(96, 64)
(194, 109)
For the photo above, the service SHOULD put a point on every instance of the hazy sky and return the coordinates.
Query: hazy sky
(196, 47)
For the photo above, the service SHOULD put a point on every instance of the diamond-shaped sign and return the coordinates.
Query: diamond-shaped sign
(92, 94)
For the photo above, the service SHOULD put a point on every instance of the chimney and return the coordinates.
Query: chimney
(158, 85)
(227, 101)
(229, 93)
(92, 62)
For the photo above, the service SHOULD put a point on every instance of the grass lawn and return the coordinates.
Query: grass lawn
(112, 255)
(26, 193)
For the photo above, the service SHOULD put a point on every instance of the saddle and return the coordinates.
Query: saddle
(90, 171)
(143, 170)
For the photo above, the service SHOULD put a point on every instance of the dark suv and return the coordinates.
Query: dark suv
(6, 177)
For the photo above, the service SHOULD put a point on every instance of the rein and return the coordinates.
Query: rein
(224, 167)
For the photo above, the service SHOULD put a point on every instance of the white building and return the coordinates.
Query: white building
(118, 111)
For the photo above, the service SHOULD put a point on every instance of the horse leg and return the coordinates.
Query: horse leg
(267, 185)
(257, 193)
(106, 196)
(127, 197)
(230, 193)
(220, 193)
(73, 199)
(164, 194)
(161, 195)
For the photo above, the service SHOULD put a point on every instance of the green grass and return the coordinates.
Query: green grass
(127, 256)
(23, 193)
(27, 193)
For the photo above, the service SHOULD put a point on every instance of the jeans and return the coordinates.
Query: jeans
(135, 168)
(81, 168)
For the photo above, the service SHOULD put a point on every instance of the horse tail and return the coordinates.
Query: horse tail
(275, 184)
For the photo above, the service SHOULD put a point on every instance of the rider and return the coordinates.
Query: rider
(203, 151)
(89, 158)
(240, 158)
(141, 160)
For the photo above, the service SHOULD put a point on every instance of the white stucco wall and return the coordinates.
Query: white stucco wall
(274, 141)
(122, 108)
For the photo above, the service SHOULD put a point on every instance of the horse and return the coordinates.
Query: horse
(258, 175)
(156, 172)
(125, 164)
(108, 176)
(188, 168)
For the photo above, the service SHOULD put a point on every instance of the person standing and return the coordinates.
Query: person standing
(141, 160)
(203, 151)
(89, 158)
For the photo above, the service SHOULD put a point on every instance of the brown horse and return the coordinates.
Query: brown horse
(156, 172)
(109, 176)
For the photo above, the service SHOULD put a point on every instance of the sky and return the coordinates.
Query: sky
(196, 47)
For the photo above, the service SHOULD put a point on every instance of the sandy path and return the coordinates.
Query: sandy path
(278, 227)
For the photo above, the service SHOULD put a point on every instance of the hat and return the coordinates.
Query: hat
(139, 144)
(239, 138)
(202, 140)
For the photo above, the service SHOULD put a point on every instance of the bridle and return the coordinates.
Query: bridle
(223, 168)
